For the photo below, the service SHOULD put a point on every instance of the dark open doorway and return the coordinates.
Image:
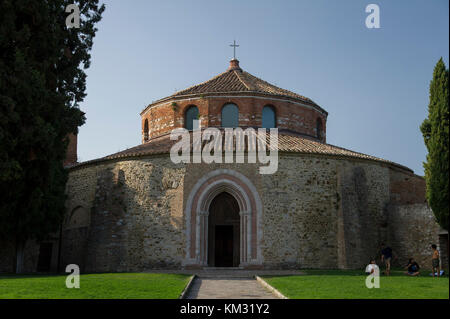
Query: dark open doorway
(223, 232)
(224, 246)
(45, 257)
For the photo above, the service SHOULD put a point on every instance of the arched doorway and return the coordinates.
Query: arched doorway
(209, 188)
(223, 231)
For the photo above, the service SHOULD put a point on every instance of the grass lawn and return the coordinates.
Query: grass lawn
(94, 286)
(343, 284)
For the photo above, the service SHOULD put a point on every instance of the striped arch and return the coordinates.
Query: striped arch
(197, 212)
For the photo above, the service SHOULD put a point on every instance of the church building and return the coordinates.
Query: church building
(325, 207)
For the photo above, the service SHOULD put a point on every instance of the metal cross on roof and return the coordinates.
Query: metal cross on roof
(234, 45)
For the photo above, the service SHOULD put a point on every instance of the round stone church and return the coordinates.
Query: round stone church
(325, 207)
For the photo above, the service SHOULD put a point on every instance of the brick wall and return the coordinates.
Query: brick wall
(164, 117)
(406, 188)
(71, 155)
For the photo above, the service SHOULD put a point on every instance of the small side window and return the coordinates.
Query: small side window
(146, 130)
(319, 129)
(230, 115)
(191, 115)
(268, 117)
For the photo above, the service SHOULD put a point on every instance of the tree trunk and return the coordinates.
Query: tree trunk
(20, 246)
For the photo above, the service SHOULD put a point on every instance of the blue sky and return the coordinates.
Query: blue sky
(373, 82)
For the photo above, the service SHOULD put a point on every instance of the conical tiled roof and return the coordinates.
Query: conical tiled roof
(287, 143)
(235, 80)
(239, 82)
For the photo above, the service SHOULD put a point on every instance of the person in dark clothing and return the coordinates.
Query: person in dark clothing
(412, 267)
(386, 256)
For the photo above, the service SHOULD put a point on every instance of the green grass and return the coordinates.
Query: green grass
(339, 284)
(94, 286)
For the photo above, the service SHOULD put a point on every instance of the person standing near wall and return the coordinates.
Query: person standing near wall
(435, 261)
(386, 257)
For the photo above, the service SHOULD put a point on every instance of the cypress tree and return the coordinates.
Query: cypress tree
(435, 134)
(42, 82)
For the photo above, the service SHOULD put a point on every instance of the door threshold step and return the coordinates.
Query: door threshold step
(223, 268)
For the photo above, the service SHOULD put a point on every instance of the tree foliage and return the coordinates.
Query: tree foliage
(435, 134)
(42, 81)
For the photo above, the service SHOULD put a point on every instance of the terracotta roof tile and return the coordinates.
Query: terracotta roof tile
(234, 81)
(287, 142)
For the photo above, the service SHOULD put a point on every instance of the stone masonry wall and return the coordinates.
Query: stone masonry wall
(136, 220)
(364, 194)
(412, 230)
(412, 226)
(318, 212)
(323, 213)
(300, 214)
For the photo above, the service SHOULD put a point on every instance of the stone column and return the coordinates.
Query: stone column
(202, 238)
(245, 247)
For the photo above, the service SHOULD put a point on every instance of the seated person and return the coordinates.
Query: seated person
(372, 268)
(413, 268)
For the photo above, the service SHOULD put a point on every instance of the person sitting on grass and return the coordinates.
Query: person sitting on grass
(372, 267)
(412, 267)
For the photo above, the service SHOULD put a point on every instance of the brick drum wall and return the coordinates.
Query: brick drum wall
(164, 117)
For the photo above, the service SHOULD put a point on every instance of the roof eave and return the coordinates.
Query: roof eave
(209, 94)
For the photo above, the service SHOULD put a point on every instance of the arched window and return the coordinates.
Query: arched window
(230, 115)
(146, 130)
(268, 117)
(319, 128)
(189, 117)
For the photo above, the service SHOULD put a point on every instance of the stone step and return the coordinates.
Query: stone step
(226, 276)
(222, 268)
(226, 272)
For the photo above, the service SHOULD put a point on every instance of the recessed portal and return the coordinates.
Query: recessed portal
(45, 257)
(223, 232)
(224, 246)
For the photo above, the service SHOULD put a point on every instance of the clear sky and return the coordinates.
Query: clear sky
(373, 82)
